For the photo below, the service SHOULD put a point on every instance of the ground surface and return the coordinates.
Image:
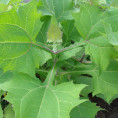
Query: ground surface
(110, 111)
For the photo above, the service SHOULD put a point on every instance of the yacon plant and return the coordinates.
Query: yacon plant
(53, 54)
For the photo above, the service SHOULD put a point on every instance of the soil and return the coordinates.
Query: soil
(4, 103)
(109, 111)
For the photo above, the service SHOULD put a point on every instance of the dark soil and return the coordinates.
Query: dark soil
(4, 103)
(110, 111)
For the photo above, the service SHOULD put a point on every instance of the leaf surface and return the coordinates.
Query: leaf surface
(70, 32)
(107, 82)
(60, 9)
(4, 1)
(54, 33)
(84, 110)
(69, 53)
(18, 30)
(45, 100)
(89, 22)
(8, 112)
(42, 35)
(112, 37)
(5, 76)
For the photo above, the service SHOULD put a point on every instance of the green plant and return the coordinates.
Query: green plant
(53, 53)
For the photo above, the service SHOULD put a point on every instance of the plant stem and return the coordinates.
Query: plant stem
(71, 47)
(44, 48)
(51, 75)
(82, 58)
(79, 60)
(62, 50)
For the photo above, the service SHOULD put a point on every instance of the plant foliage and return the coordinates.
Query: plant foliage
(53, 53)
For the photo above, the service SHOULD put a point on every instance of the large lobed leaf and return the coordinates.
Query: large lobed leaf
(90, 24)
(18, 30)
(19, 52)
(40, 100)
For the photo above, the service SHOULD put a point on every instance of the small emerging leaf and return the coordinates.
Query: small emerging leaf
(54, 33)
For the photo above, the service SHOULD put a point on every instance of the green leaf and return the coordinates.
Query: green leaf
(70, 32)
(86, 21)
(18, 34)
(84, 110)
(5, 76)
(60, 9)
(42, 35)
(107, 82)
(114, 3)
(80, 74)
(80, 36)
(45, 100)
(6, 5)
(84, 80)
(101, 52)
(89, 22)
(109, 1)
(54, 33)
(69, 53)
(8, 112)
(15, 1)
(112, 37)
(4, 1)
(31, 60)
(19, 31)
(97, 2)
